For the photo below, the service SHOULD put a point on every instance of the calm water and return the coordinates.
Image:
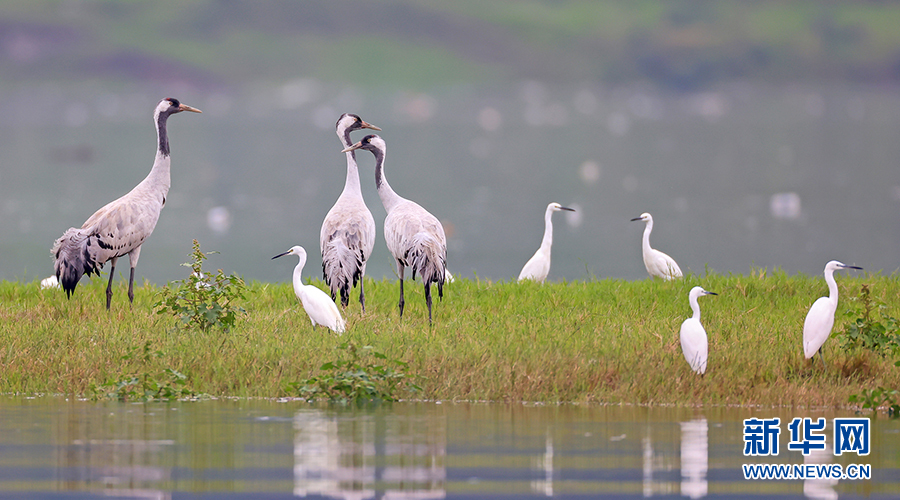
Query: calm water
(53, 448)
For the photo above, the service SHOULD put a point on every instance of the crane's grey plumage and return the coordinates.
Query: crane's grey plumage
(538, 266)
(414, 237)
(820, 318)
(658, 264)
(120, 227)
(348, 231)
(694, 344)
(320, 308)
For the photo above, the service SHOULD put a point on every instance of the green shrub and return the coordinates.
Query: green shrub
(870, 331)
(151, 384)
(367, 375)
(203, 300)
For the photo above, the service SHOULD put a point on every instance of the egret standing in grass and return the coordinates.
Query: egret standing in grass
(820, 318)
(348, 231)
(657, 263)
(318, 305)
(120, 227)
(538, 266)
(694, 344)
(414, 237)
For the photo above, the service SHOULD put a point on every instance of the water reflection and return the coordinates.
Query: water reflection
(694, 457)
(336, 457)
(264, 449)
(544, 463)
(820, 489)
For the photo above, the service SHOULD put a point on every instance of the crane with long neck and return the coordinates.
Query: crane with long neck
(121, 226)
(348, 231)
(414, 237)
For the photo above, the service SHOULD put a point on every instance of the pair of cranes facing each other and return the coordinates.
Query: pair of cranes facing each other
(414, 237)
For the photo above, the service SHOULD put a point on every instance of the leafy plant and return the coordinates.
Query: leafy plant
(873, 399)
(367, 375)
(203, 300)
(878, 334)
(168, 385)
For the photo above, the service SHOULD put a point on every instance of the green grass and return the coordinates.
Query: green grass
(586, 341)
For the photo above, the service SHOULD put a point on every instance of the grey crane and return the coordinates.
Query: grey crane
(414, 237)
(120, 227)
(348, 231)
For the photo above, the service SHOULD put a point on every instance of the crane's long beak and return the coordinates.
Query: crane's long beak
(355, 146)
(567, 208)
(185, 107)
(852, 267)
(710, 293)
(637, 218)
(281, 254)
(369, 125)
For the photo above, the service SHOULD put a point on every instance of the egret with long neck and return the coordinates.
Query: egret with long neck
(658, 264)
(348, 231)
(820, 318)
(318, 306)
(414, 237)
(694, 344)
(538, 266)
(122, 226)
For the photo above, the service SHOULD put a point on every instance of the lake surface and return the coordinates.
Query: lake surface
(53, 448)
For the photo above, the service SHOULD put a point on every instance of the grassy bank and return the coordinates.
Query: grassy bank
(596, 341)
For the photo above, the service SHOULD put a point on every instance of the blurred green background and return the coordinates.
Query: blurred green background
(757, 133)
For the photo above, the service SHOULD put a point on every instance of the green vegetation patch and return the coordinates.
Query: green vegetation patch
(607, 341)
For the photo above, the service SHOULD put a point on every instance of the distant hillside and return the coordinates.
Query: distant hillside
(420, 43)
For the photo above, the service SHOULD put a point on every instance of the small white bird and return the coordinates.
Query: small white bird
(538, 266)
(694, 345)
(122, 225)
(49, 282)
(820, 318)
(657, 263)
(414, 237)
(318, 305)
(348, 231)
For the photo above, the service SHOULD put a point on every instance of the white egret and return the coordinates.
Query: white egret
(49, 282)
(318, 305)
(120, 227)
(414, 237)
(694, 344)
(657, 263)
(538, 266)
(348, 231)
(820, 318)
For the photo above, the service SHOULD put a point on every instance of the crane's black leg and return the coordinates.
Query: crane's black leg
(112, 274)
(428, 299)
(131, 287)
(362, 295)
(822, 359)
(402, 302)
